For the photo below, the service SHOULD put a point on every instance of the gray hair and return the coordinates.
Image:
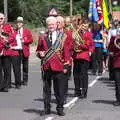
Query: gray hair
(51, 18)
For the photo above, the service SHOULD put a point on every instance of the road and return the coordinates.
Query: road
(27, 103)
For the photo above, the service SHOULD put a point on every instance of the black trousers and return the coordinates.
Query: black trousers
(97, 58)
(110, 68)
(24, 61)
(67, 77)
(1, 72)
(15, 64)
(117, 82)
(59, 82)
(80, 74)
(5, 70)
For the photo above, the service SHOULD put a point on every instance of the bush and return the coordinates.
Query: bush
(117, 8)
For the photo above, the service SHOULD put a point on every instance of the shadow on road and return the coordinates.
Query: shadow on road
(104, 101)
(41, 99)
(38, 112)
(107, 82)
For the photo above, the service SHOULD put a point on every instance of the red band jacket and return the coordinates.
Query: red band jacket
(6, 28)
(85, 48)
(115, 53)
(56, 62)
(27, 40)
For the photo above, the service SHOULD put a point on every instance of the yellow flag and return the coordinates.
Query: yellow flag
(105, 14)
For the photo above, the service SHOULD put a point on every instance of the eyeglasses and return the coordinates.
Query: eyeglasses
(1, 18)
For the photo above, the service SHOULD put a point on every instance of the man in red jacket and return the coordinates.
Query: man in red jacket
(24, 39)
(55, 57)
(81, 58)
(114, 49)
(64, 26)
(8, 56)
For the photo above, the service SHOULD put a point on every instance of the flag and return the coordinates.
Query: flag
(99, 10)
(105, 14)
(92, 13)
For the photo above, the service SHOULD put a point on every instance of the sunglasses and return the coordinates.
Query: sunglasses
(1, 18)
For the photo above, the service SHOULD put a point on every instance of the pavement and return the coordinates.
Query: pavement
(14, 103)
(27, 102)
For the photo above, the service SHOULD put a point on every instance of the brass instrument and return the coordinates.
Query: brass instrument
(77, 38)
(4, 40)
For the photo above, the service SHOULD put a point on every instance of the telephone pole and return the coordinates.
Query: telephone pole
(110, 6)
(6, 9)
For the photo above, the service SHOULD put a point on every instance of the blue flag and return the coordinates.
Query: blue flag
(92, 13)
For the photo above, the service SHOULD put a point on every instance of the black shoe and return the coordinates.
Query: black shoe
(65, 101)
(4, 90)
(94, 73)
(24, 83)
(84, 93)
(116, 103)
(85, 96)
(60, 112)
(18, 86)
(10, 86)
(78, 94)
(47, 111)
(99, 74)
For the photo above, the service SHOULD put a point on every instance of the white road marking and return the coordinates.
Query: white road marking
(49, 118)
(71, 102)
(94, 81)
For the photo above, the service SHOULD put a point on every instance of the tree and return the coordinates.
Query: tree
(35, 11)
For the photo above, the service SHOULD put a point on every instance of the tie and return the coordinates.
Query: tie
(19, 33)
(50, 38)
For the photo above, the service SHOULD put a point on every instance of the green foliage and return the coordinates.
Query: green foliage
(117, 8)
(81, 7)
(35, 11)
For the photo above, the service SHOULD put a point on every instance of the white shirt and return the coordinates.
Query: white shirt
(19, 39)
(54, 37)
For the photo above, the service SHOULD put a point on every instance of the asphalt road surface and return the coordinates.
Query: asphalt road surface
(27, 103)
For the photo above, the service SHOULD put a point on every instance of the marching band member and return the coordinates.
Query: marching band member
(64, 26)
(55, 63)
(81, 58)
(114, 49)
(23, 39)
(7, 39)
